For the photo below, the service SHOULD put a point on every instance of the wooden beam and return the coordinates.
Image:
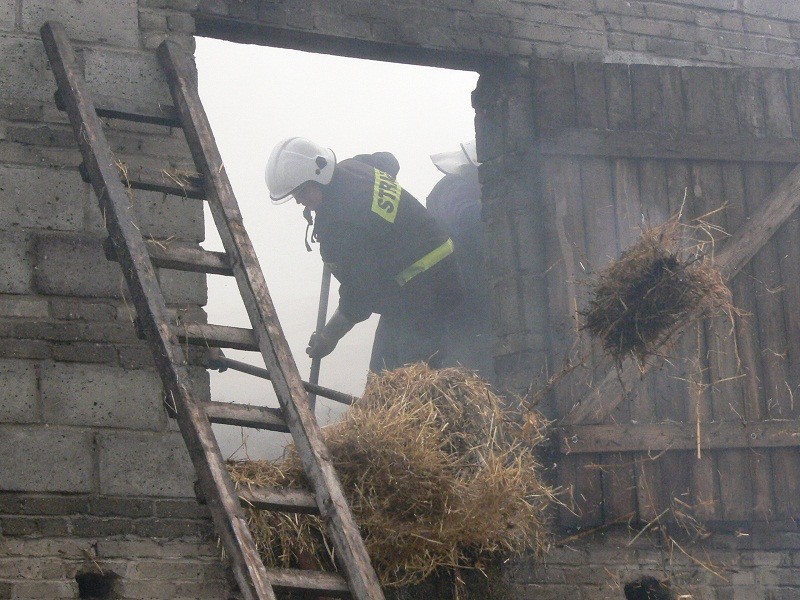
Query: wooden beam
(217, 336)
(327, 584)
(661, 145)
(737, 252)
(166, 255)
(245, 415)
(179, 257)
(762, 225)
(279, 499)
(658, 437)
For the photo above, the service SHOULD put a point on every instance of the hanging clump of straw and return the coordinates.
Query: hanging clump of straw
(665, 280)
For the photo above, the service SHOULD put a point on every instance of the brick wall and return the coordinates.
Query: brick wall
(723, 567)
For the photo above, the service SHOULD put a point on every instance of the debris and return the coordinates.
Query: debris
(437, 471)
(665, 280)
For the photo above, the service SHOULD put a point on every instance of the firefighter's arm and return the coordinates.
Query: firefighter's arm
(322, 343)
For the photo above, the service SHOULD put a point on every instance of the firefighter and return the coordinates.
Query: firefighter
(455, 201)
(388, 253)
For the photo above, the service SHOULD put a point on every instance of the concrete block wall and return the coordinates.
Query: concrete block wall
(95, 477)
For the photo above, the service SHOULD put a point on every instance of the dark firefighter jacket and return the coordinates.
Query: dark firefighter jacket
(455, 202)
(380, 242)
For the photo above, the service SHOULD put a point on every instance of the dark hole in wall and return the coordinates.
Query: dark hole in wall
(648, 588)
(96, 586)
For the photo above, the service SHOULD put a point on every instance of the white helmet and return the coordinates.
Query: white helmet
(294, 161)
(457, 161)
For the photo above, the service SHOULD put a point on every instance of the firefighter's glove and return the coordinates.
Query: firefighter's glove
(320, 345)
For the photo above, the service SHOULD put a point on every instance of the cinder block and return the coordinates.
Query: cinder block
(182, 22)
(32, 349)
(41, 198)
(500, 235)
(88, 20)
(85, 352)
(16, 262)
(152, 20)
(23, 307)
(183, 287)
(145, 464)
(45, 459)
(76, 266)
(26, 74)
(156, 215)
(78, 310)
(183, 5)
(101, 396)
(507, 306)
(19, 398)
(166, 217)
(7, 16)
(137, 77)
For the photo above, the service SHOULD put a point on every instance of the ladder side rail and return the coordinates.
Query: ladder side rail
(151, 309)
(351, 553)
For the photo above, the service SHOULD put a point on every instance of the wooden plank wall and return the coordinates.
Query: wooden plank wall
(598, 197)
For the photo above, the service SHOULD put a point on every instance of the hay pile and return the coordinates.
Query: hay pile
(665, 280)
(437, 471)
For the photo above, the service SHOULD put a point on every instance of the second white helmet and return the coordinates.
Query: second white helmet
(457, 161)
(294, 161)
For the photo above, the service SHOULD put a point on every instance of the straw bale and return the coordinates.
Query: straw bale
(438, 472)
(662, 282)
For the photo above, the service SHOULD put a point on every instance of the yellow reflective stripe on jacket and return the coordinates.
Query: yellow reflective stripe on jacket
(426, 262)
(385, 196)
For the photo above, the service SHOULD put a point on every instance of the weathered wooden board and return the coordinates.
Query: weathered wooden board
(642, 139)
(667, 435)
(664, 146)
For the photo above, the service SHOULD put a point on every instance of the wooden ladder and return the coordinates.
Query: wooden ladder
(138, 260)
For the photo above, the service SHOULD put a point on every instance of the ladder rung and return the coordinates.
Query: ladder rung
(143, 178)
(330, 584)
(246, 415)
(217, 336)
(116, 108)
(279, 499)
(188, 259)
(169, 255)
